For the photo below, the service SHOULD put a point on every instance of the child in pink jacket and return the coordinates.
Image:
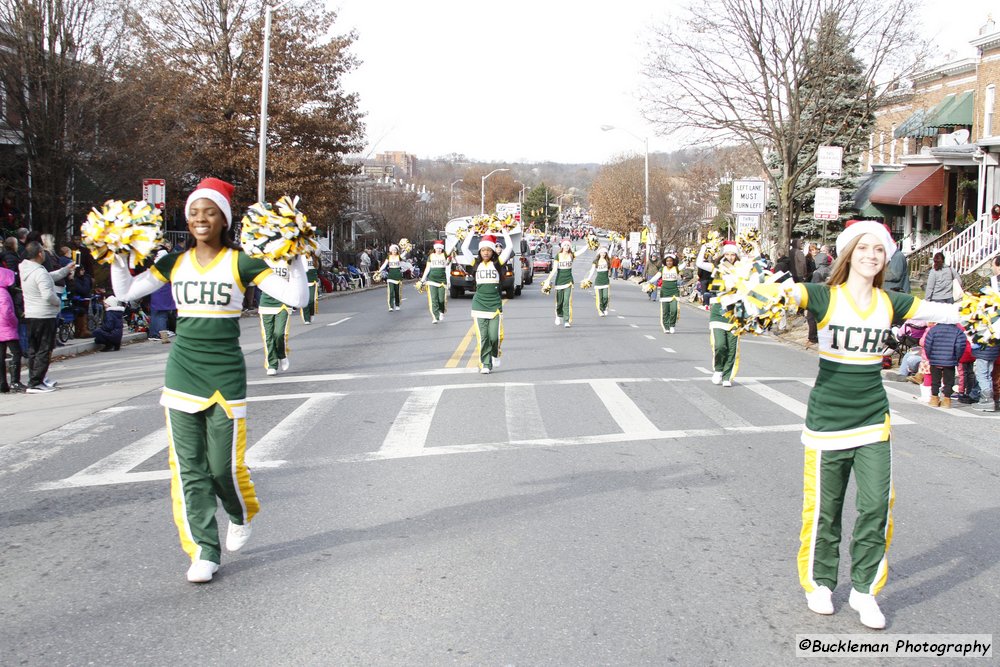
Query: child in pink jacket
(8, 333)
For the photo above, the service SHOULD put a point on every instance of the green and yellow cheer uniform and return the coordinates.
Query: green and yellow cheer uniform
(487, 306)
(669, 298)
(725, 344)
(437, 280)
(274, 324)
(561, 280)
(204, 392)
(602, 283)
(394, 281)
(312, 277)
(848, 427)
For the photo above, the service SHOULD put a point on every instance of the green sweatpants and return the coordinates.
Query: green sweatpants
(436, 300)
(489, 335)
(603, 298)
(394, 296)
(564, 303)
(725, 353)
(824, 487)
(310, 309)
(274, 331)
(206, 456)
(668, 313)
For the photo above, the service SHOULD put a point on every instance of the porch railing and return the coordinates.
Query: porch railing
(974, 246)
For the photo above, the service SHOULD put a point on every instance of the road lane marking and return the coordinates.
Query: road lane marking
(630, 419)
(702, 369)
(650, 337)
(463, 345)
(333, 324)
(634, 326)
(289, 379)
(797, 408)
(713, 408)
(670, 350)
(621, 317)
(115, 468)
(524, 416)
(408, 433)
(265, 452)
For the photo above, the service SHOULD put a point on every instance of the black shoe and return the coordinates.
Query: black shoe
(965, 399)
(17, 387)
(107, 348)
(4, 388)
(118, 347)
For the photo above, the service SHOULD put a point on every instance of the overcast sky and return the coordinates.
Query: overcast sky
(529, 80)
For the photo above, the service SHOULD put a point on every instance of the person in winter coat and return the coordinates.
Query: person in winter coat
(8, 334)
(897, 273)
(940, 281)
(81, 289)
(110, 333)
(41, 310)
(944, 345)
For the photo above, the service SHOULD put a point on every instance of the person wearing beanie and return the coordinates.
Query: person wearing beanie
(487, 302)
(725, 344)
(669, 292)
(9, 339)
(308, 311)
(109, 335)
(275, 324)
(394, 280)
(437, 279)
(847, 425)
(602, 283)
(205, 384)
(561, 281)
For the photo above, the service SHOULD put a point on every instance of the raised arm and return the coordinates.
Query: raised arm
(702, 262)
(130, 288)
(294, 291)
(508, 248)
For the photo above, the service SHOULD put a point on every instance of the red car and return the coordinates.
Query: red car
(542, 263)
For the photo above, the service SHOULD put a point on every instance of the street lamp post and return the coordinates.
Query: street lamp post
(265, 76)
(482, 190)
(646, 220)
(451, 203)
(520, 193)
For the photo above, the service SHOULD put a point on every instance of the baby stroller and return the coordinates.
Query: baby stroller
(906, 337)
(65, 319)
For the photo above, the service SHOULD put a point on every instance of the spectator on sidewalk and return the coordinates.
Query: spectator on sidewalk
(616, 266)
(110, 333)
(940, 281)
(819, 276)
(80, 290)
(944, 344)
(161, 306)
(41, 309)
(897, 273)
(9, 338)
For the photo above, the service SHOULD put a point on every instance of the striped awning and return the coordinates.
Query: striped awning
(916, 185)
(957, 113)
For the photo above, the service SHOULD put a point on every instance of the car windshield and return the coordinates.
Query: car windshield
(542, 256)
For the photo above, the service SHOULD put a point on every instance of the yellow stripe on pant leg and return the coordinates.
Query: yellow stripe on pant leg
(177, 500)
(241, 474)
(736, 360)
(500, 335)
(810, 517)
(479, 342)
(430, 305)
(597, 299)
(882, 573)
(288, 328)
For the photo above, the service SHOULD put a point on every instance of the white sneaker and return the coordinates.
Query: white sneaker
(397, 307)
(201, 571)
(558, 321)
(51, 384)
(867, 608)
(307, 322)
(433, 321)
(272, 371)
(717, 377)
(284, 363)
(671, 329)
(567, 325)
(39, 389)
(727, 383)
(496, 362)
(440, 316)
(484, 370)
(820, 601)
(237, 536)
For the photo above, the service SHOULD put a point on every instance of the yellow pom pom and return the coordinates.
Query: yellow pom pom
(277, 233)
(131, 228)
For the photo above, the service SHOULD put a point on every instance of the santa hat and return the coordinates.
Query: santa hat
(393, 247)
(855, 228)
(439, 244)
(566, 244)
(603, 249)
(730, 247)
(218, 192)
(489, 242)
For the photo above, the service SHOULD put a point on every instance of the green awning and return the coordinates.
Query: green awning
(956, 114)
(912, 126)
(864, 206)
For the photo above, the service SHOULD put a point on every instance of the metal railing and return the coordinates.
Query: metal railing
(919, 261)
(974, 246)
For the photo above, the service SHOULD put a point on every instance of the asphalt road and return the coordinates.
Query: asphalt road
(594, 501)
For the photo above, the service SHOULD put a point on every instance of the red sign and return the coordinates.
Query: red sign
(154, 191)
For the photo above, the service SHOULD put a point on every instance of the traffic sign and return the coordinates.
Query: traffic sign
(749, 196)
(154, 191)
(744, 223)
(829, 162)
(827, 204)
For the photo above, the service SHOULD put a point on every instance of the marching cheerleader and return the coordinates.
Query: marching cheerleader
(395, 280)
(437, 279)
(725, 344)
(669, 292)
(205, 384)
(561, 280)
(312, 276)
(275, 324)
(847, 419)
(487, 303)
(602, 284)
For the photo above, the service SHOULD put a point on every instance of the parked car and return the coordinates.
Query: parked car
(528, 268)
(542, 263)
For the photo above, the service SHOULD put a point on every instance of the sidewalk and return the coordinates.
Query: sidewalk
(76, 347)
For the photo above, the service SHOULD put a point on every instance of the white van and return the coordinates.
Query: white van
(512, 281)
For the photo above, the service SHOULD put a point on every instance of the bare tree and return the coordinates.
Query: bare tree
(749, 71)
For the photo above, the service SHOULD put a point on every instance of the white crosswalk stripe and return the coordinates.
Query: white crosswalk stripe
(281, 431)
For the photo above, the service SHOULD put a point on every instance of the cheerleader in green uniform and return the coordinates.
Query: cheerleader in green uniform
(561, 281)
(487, 302)
(205, 385)
(312, 276)
(437, 280)
(725, 344)
(275, 324)
(669, 292)
(602, 285)
(394, 281)
(848, 421)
